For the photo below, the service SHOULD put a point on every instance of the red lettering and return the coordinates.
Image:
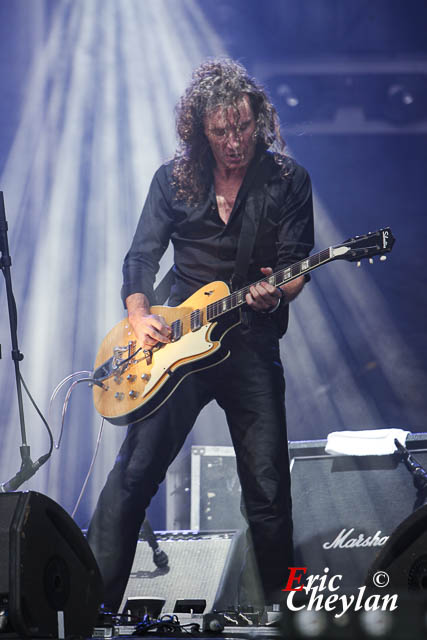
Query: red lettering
(295, 578)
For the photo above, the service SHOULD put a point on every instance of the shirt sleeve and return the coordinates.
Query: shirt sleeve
(296, 230)
(150, 241)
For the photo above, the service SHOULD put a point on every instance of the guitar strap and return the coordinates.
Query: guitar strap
(254, 210)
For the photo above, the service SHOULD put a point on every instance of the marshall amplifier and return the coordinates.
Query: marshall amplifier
(345, 508)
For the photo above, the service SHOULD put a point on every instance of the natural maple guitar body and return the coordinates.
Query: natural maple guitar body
(130, 383)
(144, 385)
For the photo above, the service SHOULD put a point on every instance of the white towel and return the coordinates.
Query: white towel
(370, 442)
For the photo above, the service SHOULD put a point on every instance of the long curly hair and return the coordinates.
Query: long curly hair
(219, 82)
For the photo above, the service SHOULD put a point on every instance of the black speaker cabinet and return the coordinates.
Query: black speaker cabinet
(49, 579)
(345, 508)
(205, 566)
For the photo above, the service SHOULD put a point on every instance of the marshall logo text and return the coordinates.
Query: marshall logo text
(346, 540)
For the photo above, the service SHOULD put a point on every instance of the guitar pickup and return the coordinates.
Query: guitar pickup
(196, 320)
(176, 327)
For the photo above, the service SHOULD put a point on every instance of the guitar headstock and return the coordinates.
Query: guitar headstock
(377, 243)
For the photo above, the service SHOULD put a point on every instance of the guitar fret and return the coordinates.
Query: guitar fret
(324, 255)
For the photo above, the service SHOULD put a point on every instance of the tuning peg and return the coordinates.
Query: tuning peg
(358, 264)
(382, 258)
(371, 261)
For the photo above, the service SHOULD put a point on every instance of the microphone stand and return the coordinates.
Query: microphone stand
(28, 467)
(418, 472)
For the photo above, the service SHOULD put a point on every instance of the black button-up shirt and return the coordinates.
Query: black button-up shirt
(204, 247)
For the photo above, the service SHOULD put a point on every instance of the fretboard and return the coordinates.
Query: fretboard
(238, 298)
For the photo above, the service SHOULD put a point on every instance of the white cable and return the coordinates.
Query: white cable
(98, 441)
(64, 411)
(53, 396)
(63, 414)
(58, 386)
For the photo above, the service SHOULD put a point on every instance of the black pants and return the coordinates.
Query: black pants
(250, 387)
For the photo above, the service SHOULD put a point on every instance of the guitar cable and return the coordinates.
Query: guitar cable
(63, 414)
(89, 473)
(67, 399)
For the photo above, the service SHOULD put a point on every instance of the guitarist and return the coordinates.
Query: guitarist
(231, 155)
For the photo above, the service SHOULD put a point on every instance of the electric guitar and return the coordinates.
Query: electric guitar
(130, 383)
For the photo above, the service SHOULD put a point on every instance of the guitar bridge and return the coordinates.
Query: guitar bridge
(116, 365)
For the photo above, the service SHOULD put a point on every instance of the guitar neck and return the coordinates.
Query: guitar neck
(238, 298)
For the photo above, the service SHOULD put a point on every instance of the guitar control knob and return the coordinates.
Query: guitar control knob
(133, 394)
(145, 376)
(382, 258)
(130, 377)
(119, 396)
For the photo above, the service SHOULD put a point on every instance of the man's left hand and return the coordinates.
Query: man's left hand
(263, 296)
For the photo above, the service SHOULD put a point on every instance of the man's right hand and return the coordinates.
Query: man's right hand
(148, 328)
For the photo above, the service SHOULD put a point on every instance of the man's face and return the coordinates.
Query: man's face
(230, 132)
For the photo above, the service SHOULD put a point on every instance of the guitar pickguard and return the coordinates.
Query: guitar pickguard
(190, 347)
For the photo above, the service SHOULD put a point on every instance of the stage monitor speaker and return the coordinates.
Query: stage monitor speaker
(49, 579)
(404, 556)
(345, 508)
(202, 566)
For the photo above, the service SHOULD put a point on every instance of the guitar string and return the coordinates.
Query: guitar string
(213, 309)
(295, 270)
(312, 260)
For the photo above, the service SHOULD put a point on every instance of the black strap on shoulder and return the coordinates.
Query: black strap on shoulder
(248, 233)
(254, 209)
